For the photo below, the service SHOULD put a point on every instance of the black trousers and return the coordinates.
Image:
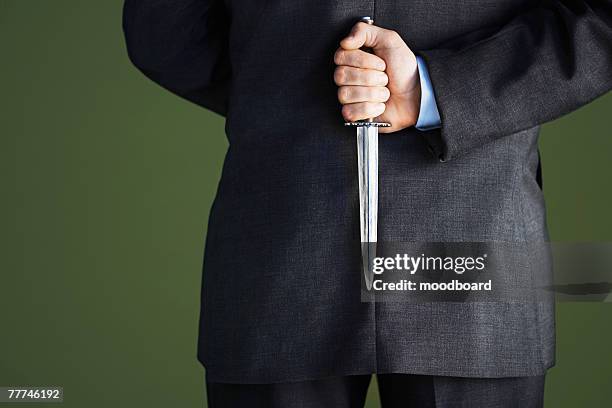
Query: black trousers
(396, 391)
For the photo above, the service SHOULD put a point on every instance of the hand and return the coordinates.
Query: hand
(384, 85)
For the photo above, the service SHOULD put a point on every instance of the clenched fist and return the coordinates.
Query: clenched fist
(384, 85)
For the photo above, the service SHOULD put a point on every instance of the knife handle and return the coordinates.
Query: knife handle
(369, 121)
(368, 21)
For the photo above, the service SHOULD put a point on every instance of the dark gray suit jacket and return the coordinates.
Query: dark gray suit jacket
(281, 298)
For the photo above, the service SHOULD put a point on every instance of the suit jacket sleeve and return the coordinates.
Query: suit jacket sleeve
(544, 63)
(181, 45)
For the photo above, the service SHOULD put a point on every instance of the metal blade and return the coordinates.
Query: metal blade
(367, 157)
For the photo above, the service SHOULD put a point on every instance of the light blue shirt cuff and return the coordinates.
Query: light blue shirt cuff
(429, 117)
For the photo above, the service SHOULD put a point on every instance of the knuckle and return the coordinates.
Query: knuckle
(385, 94)
(376, 109)
(340, 75)
(377, 79)
(373, 111)
(361, 60)
(371, 94)
(371, 79)
(347, 113)
(384, 79)
(344, 94)
(338, 57)
(394, 37)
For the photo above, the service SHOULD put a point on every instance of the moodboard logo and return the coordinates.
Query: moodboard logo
(453, 285)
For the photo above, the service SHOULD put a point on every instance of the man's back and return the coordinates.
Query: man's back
(282, 265)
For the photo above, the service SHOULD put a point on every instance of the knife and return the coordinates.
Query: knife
(367, 163)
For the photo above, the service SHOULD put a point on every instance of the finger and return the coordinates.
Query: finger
(367, 35)
(362, 110)
(353, 94)
(359, 59)
(344, 75)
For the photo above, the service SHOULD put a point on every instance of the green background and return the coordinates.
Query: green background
(107, 181)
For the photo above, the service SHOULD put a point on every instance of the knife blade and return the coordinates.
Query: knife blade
(367, 163)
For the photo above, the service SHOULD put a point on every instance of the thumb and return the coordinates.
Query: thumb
(367, 35)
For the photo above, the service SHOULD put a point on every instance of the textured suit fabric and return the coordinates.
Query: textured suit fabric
(281, 277)
(396, 391)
